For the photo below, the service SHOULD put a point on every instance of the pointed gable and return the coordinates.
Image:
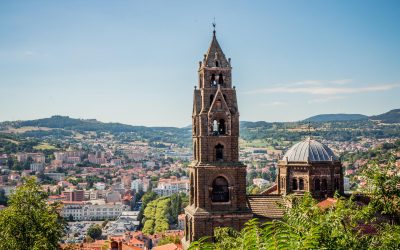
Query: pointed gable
(219, 103)
(215, 57)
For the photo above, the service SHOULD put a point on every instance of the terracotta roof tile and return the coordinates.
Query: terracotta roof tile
(266, 206)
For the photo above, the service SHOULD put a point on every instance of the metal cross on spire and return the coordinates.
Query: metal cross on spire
(214, 24)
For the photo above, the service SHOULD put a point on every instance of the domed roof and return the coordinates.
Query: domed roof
(309, 151)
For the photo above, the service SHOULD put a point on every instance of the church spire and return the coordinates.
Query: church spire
(215, 57)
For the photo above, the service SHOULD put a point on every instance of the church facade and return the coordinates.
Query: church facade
(217, 177)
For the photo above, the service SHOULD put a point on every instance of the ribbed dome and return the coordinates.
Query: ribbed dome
(309, 151)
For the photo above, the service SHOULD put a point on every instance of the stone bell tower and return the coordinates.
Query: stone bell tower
(217, 178)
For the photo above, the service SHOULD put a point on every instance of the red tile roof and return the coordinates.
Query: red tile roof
(329, 202)
(170, 246)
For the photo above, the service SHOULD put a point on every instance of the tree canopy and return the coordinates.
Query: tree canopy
(366, 221)
(94, 231)
(29, 222)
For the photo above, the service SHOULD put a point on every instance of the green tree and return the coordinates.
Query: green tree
(382, 182)
(3, 197)
(94, 231)
(29, 222)
(307, 226)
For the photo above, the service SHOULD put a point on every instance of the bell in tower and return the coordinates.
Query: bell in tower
(217, 177)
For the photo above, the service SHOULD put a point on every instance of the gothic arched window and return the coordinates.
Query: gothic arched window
(324, 185)
(220, 190)
(195, 150)
(219, 152)
(301, 184)
(215, 127)
(221, 127)
(317, 185)
(220, 79)
(213, 82)
(216, 64)
(294, 184)
(191, 197)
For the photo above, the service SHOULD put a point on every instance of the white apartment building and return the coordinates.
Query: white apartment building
(100, 185)
(137, 185)
(172, 185)
(37, 167)
(56, 176)
(88, 211)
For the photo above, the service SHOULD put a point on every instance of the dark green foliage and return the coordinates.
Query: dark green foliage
(335, 130)
(307, 226)
(29, 222)
(162, 212)
(383, 181)
(54, 133)
(336, 117)
(345, 225)
(393, 116)
(175, 207)
(147, 197)
(94, 231)
(169, 239)
(3, 197)
(155, 135)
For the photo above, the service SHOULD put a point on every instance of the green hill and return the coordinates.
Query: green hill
(61, 126)
(336, 117)
(393, 116)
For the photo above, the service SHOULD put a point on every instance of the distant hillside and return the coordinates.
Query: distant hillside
(393, 116)
(65, 122)
(336, 117)
(62, 125)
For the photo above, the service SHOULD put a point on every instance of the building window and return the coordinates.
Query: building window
(211, 99)
(294, 184)
(317, 185)
(213, 82)
(221, 127)
(187, 228)
(220, 79)
(301, 184)
(220, 190)
(324, 185)
(216, 64)
(195, 150)
(191, 197)
(219, 152)
(215, 127)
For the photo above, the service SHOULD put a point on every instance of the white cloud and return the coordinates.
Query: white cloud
(325, 99)
(274, 104)
(326, 90)
(341, 81)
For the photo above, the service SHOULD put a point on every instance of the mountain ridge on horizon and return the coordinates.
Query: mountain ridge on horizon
(60, 121)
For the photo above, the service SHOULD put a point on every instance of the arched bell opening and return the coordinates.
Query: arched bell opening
(219, 152)
(220, 190)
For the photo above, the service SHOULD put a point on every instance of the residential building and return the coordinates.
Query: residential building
(87, 211)
(37, 167)
(172, 185)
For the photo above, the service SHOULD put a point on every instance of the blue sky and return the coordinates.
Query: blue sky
(136, 62)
